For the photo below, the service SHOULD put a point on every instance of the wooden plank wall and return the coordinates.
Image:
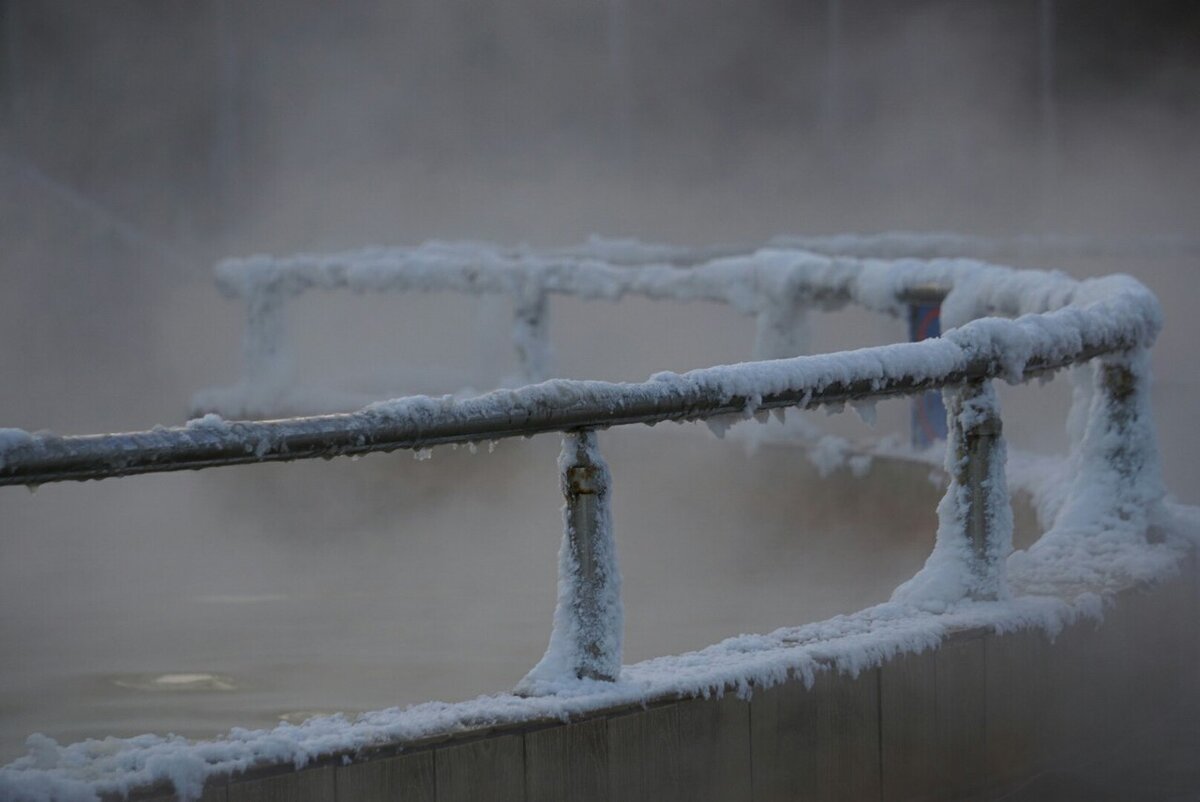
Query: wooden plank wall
(979, 714)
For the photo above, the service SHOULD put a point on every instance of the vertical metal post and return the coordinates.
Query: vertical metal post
(977, 499)
(1117, 484)
(782, 329)
(266, 365)
(928, 410)
(530, 332)
(596, 606)
(1118, 385)
(1130, 448)
(588, 619)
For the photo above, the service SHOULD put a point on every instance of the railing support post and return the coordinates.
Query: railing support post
(589, 619)
(1117, 384)
(782, 329)
(928, 409)
(979, 455)
(1118, 481)
(530, 332)
(974, 535)
(264, 350)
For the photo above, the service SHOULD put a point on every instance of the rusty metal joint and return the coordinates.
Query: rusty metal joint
(583, 480)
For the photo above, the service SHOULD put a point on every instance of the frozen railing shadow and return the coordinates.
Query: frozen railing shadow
(1107, 324)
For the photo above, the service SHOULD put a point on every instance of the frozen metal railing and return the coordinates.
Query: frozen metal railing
(778, 296)
(599, 269)
(1021, 248)
(422, 422)
(1063, 323)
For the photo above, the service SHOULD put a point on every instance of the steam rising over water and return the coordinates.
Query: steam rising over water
(139, 146)
(242, 597)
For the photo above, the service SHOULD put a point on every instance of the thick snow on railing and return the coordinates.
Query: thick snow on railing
(776, 285)
(1108, 524)
(1023, 248)
(1099, 316)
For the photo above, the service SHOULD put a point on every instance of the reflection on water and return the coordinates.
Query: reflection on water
(175, 682)
(301, 716)
(199, 602)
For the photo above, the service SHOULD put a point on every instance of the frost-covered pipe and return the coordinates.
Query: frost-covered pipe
(585, 643)
(974, 415)
(265, 362)
(1014, 350)
(975, 525)
(928, 412)
(773, 283)
(934, 244)
(531, 331)
(607, 269)
(782, 328)
(1121, 316)
(1117, 473)
(480, 270)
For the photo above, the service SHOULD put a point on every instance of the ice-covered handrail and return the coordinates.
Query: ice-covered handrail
(936, 244)
(983, 349)
(776, 284)
(1103, 521)
(1059, 322)
(740, 280)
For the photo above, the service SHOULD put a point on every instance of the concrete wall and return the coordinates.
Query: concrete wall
(984, 716)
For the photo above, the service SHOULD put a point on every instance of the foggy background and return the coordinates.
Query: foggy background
(141, 141)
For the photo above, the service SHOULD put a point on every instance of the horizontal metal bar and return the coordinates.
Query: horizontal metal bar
(693, 289)
(431, 422)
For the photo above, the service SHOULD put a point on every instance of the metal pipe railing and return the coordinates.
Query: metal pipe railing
(555, 406)
(975, 519)
(599, 269)
(529, 278)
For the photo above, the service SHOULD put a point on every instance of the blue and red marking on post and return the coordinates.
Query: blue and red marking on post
(928, 411)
